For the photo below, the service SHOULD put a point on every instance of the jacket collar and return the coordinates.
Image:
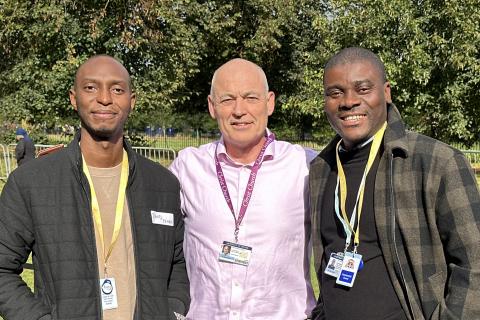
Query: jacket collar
(76, 155)
(395, 138)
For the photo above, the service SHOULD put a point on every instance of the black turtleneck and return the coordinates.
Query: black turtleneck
(372, 295)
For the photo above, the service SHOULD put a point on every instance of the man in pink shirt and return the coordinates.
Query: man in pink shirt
(245, 203)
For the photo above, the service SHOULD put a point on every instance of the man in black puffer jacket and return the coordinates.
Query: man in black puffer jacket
(103, 224)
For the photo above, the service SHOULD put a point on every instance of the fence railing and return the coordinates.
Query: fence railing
(162, 155)
(165, 156)
(180, 141)
(8, 163)
(473, 156)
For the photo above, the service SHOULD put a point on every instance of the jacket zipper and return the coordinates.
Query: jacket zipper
(397, 258)
(135, 257)
(92, 230)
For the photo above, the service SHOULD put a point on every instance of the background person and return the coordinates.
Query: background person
(415, 200)
(25, 149)
(250, 190)
(103, 223)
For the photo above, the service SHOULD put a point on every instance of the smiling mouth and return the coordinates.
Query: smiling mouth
(103, 114)
(240, 124)
(354, 117)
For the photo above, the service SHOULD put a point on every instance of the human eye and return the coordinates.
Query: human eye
(252, 99)
(226, 101)
(364, 90)
(118, 90)
(333, 93)
(89, 87)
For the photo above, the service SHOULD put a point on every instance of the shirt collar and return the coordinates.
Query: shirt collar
(342, 149)
(224, 157)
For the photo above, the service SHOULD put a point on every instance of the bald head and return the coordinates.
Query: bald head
(238, 68)
(102, 58)
(354, 55)
(240, 102)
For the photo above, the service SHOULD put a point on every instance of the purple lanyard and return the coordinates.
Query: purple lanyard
(248, 190)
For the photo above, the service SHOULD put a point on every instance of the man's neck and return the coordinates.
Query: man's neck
(356, 146)
(101, 153)
(244, 155)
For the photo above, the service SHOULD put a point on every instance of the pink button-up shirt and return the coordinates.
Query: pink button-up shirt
(276, 283)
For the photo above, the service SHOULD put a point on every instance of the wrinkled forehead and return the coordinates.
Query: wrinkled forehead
(346, 68)
(353, 71)
(239, 75)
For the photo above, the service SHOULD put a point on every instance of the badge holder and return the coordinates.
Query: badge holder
(334, 264)
(108, 291)
(235, 253)
(350, 266)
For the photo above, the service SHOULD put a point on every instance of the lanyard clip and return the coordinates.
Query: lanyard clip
(346, 247)
(236, 234)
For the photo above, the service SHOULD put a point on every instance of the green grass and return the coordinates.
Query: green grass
(27, 276)
(313, 277)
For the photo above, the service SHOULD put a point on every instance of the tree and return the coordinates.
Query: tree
(170, 47)
(43, 43)
(271, 33)
(430, 49)
(431, 52)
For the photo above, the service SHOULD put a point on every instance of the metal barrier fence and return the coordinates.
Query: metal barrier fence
(182, 140)
(164, 156)
(4, 162)
(473, 156)
(8, 163)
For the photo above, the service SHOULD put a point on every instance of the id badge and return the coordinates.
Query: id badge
(334, 264)
(348, 272)
(235, 253)
(108, 292)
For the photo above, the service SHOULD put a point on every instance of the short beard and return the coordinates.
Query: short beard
(102, 134)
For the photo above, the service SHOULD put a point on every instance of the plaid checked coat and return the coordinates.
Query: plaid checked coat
(427, 212)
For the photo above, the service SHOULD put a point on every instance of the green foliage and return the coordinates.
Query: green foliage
(431, 52)
(137, 140)
(171, 48)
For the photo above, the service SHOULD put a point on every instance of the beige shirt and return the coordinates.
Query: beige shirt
(121, 263)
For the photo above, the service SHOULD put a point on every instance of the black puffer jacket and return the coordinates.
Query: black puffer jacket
(45, 209)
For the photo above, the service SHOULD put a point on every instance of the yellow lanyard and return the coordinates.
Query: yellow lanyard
(377, 140)
(119, 209)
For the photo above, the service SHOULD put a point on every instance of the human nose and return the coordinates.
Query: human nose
(350, 99)
(104, 96)
(239, 107)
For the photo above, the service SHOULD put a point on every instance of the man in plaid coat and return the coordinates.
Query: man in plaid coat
(410, 218)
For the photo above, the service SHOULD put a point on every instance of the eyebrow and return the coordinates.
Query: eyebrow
(356, 83)
(251, 93)
(364, 81)
(225, 95)
(333, 86)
